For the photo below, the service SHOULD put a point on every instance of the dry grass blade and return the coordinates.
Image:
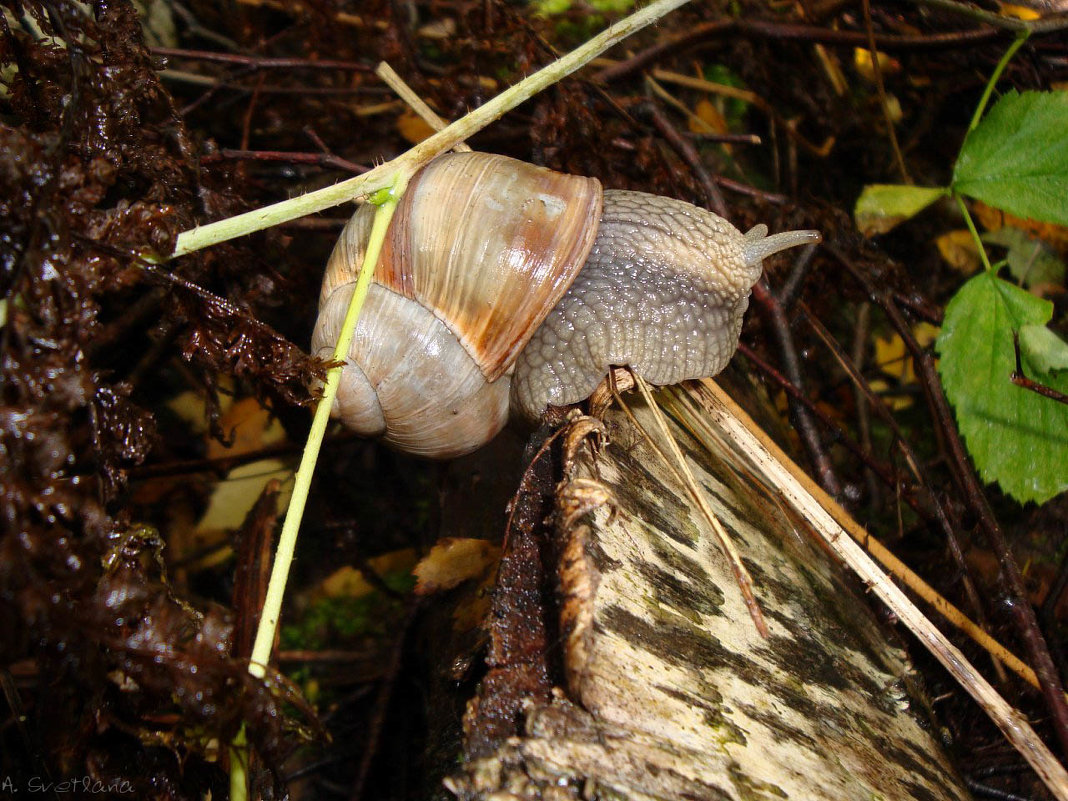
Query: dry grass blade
(677, 462)
(727, 422)
(394, 81)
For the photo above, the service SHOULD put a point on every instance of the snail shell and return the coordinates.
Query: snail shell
(504, 284)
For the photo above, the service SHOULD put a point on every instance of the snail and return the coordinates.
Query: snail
(503, 285)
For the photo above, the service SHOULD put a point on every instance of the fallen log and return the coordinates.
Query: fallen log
(668, 689)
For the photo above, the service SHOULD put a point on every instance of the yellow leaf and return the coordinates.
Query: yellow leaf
(894, 360)
(881, 207)
(707, 119)
(413, 128)
(959, 251)
(893, 109)
(862, 62)
(1020, 12)
(453, 561)
(891, 357)
(348, 582)
(253, 428)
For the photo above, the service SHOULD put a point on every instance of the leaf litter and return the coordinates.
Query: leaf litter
(102, 164)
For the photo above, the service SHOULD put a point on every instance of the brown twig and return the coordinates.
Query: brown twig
(821, 150)
(713, 197)
(919, 306)
(884, 102)
(326, 160)
(858, 357)
(780, 327)
(872, 401)
(804, 33)
(1023, 613)
(791, 287)
(773, 198)
(886, 474)
(260, 62)
(246, 123)
(385, 693)
(1019, 379)
(254, 544)
(222, 465)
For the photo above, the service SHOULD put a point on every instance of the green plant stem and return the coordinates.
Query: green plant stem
(272, 605)
(381, 176)
(975, 232)
(1021, 37)
(287, 540)
(239, 766)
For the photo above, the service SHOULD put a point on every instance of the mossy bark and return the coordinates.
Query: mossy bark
(669, 691)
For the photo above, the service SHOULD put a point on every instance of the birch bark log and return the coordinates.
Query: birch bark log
(670, 692)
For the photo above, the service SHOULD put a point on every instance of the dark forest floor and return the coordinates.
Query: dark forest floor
(152, 414)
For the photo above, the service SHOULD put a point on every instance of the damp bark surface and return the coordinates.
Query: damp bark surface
(670, 692)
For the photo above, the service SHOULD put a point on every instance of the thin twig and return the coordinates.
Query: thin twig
(964, 476)
(701, 85)
(1021, 380)
(780, 326)
(260, 62)
(326, 160)
(713, 197)
(383, 176)
(1046, 25)
(385, 694)
(788, 31)
(394, 81)
(869, 400)
(884, 102)
(678, 464)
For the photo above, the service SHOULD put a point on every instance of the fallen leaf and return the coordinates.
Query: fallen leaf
(413, 128)
(958, 250)
(862, 62)
(453, 561)
(707, 119)
(881, 207)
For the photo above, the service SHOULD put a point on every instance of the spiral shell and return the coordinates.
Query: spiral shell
(480, 250)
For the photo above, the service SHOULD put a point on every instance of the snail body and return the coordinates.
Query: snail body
(504, 285)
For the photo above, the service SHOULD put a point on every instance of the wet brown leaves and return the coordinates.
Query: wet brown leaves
(96, 168)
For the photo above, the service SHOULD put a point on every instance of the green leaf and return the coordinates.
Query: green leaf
(1031, 260)
(1016, 159)
(1016, 437)
(882, 206)
(1043, 348)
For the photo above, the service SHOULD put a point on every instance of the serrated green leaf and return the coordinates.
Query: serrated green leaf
(880, 207)
(1030, 260)
(1016, 159)
(1016, 437)
(1044, 349)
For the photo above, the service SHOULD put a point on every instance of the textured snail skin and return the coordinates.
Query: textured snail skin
(663, 291)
